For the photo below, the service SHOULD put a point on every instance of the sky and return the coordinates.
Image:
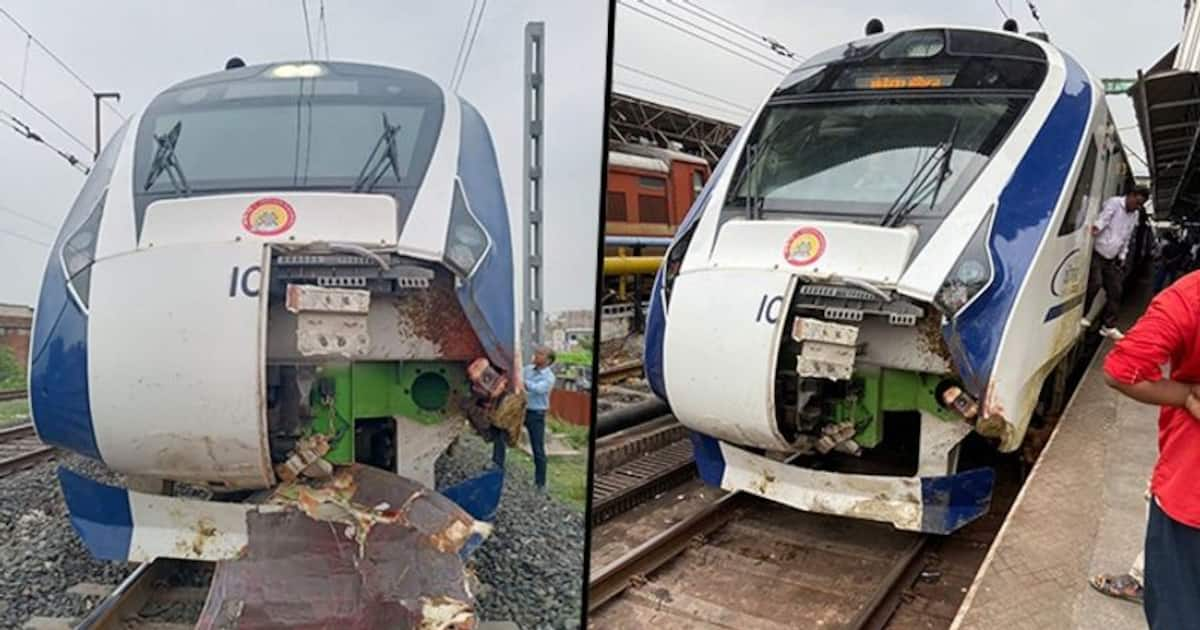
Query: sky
(1111, 38)
(141, 48)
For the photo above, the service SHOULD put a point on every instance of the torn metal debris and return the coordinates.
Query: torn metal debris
(306, 459)
(363, 549)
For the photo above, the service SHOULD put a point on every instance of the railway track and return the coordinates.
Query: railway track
(743, 562)
(635, 465)
(13, 394)
(620, 371)
(20, 449)
(157, 595)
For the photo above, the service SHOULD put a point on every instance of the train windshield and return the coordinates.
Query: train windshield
(263, 132)
(858, 159)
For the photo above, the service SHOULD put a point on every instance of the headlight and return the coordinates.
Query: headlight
(297, 71)
(466, 240)
(971, 273)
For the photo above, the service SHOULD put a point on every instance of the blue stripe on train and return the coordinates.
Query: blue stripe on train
(58, 375)
(1020, 223)
(951, 501)
(100, 515)
(710, 462)
(487, 297)
(656, 318)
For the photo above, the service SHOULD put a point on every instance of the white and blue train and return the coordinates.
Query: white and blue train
(892, 253)
(269, 266)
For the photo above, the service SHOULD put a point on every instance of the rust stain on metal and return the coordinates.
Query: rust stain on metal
(930, 338)
(993, 421)
(434, 314)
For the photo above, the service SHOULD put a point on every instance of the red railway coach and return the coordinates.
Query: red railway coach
(650, 189)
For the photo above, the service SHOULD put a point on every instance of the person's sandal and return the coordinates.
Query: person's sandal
(1119, 586)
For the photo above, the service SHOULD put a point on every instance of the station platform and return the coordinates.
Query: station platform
(1081, 512)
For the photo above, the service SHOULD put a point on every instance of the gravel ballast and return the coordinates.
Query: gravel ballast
(40, 555)
(530, 571)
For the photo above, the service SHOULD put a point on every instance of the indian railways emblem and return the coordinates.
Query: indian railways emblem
(804, 247)
(269, 216)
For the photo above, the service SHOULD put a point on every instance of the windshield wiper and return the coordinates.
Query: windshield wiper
(377, 167)
(928, 178)
(165, 161)
(754, 155)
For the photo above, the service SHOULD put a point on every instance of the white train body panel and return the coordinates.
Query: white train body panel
(198, 413)
(319, 217)
(852, 251)
(727, 358)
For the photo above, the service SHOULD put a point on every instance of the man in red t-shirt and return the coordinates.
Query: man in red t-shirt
(1169, 333)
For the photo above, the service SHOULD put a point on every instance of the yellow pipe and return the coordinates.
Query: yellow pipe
(622, 265)
(621, 252)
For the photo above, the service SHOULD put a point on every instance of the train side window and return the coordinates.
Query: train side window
(1081, 198)
(656, 183)
(697, 183)
(652, 209)
(614, 207)
(79, 252)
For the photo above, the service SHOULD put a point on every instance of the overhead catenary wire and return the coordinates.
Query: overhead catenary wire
(1036, 18)
(470, 45)
(324, 30)
(757, 54)
(713, 17)
(676, 84)
(25, 131)
(31, 38)
(676, 97)
(462, 45)
(24, 238)
(36, 220)
(307, 29)
(44, 115)
(706, 35)
(685, 31)
(25, 63)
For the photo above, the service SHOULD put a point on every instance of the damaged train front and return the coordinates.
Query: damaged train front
(294, 310)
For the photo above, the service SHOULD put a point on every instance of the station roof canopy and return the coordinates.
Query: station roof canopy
(1167, 100)
(632, 118)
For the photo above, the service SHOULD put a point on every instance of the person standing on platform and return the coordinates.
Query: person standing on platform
(1168, 333)
(539, 381)
(1112, 230)
(1128, 586)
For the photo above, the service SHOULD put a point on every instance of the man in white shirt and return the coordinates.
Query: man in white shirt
(1111, 232)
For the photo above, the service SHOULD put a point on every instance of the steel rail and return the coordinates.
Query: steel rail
(13, 394)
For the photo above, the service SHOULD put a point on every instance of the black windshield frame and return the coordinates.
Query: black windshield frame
(870, 212)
